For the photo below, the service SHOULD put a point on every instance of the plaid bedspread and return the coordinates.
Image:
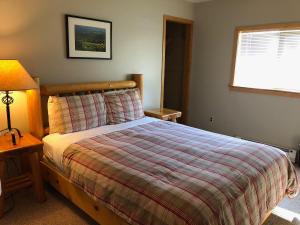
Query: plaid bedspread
(166, 173)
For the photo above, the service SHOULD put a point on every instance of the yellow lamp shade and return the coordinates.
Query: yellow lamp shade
(14, 77)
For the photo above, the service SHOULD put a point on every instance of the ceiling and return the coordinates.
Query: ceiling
(197, 1)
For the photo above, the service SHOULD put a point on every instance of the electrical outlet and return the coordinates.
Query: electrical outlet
(211, 119)
(292, 155)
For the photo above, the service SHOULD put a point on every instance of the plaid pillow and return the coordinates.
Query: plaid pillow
(76, 113)
(124, 106)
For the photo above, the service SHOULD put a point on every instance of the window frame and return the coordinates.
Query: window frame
(265, 27)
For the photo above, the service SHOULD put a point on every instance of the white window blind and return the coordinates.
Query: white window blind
(268, 60)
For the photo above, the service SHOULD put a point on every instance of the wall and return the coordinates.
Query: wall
(271, 119)
(34, 32)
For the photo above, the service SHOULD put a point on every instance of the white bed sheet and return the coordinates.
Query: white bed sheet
(56, 144)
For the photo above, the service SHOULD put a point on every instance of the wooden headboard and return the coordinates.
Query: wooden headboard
(37, 98)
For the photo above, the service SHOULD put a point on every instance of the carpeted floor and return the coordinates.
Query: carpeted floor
(55, 211)
(59, 211)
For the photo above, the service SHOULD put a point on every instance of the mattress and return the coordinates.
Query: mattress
(157, 172)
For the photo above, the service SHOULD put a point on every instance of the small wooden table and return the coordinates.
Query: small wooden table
(164, 114)
(27, 146)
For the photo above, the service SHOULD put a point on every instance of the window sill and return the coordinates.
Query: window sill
(265, 91)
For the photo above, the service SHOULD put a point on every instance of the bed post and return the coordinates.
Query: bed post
(35, 111)
(139, 80)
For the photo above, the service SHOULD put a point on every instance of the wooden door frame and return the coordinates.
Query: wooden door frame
(187, 62)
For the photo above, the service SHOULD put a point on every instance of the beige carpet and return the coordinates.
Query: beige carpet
(55, 211)
(59, 211)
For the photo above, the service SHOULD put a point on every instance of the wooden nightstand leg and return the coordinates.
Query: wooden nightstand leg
(36, 176)
(2, 172)
(174, 119)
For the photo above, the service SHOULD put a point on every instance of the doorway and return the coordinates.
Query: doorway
(177, 60)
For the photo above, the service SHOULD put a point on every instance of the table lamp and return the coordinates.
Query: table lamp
(13, 77)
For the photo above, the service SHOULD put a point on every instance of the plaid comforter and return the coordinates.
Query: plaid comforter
(166, 173)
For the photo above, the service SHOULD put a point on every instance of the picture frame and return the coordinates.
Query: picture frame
(88, 38)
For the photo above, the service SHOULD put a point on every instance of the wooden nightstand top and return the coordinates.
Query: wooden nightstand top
(164, 114)
(27, 141)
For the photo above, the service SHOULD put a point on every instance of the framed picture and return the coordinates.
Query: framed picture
(88, 38)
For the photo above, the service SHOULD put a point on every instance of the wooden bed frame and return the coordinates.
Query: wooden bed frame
(39, 128)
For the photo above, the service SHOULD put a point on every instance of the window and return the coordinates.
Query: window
(267, 58)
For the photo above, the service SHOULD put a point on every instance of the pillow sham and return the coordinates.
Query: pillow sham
(76, 113)
(124, 106)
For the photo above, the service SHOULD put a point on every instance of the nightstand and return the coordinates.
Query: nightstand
(27, 147)
(164, 114)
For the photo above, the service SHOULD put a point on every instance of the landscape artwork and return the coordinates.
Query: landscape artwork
(88, 38)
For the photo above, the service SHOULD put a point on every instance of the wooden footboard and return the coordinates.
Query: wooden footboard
(94, 209)
(267, 216)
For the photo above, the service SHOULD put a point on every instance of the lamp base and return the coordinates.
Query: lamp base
(7, 100)
(12, 133)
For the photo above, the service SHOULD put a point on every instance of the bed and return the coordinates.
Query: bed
(149, 171)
